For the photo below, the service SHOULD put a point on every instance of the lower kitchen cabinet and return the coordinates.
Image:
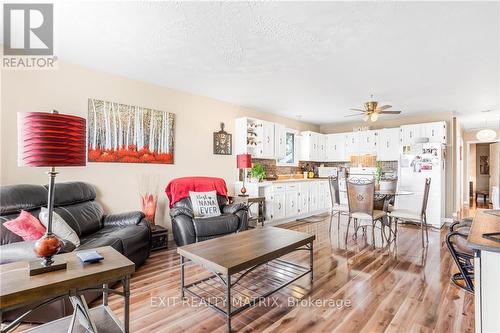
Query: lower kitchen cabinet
(290, 200)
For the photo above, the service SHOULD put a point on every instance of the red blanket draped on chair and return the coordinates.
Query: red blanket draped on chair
(179, 188)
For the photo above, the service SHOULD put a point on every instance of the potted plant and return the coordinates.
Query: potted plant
(257, 173)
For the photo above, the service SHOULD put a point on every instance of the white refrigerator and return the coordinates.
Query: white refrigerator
(416, 163)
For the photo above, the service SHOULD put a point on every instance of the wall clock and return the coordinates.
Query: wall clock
(223, 142)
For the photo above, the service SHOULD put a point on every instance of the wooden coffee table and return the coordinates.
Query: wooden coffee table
(18, 288)
(246, 264)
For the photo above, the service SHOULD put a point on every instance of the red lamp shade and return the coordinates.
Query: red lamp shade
(51, 140)
(243, 161)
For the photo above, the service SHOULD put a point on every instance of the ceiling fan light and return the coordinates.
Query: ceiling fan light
(486, 135)
(366, 117)
(374, 117)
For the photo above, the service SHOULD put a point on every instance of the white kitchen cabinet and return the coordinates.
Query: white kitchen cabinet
(254, 137)
(351, 144)
(314, 196)
(279, 140)
(268, 143)
(409, 133)
(335, 147)
(292, 204)
(323, 196)
(321, 148)
(279, 205)
(303, 197)
(367, 141)
(436, 132)
(309, 150)
(388, 147)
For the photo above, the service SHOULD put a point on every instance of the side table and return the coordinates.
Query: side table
(249, 201)
(159, 237)
(19, 288)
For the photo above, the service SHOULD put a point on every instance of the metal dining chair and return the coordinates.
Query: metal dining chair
(411, 216)
(337, 208)
(462, 254)
(360, 198)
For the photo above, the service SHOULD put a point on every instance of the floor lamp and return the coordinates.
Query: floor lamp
(50, 140)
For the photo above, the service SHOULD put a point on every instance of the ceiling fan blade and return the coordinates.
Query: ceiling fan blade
(353, 115)
(358, 110)
(383, 107)
(390, 112)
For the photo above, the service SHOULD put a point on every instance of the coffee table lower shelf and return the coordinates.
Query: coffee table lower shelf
(102, 316)
(246, 288)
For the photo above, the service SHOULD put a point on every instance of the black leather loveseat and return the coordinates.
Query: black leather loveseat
(187, 229)
(128, 233)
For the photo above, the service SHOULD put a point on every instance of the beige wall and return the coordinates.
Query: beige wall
(67, 90)
(413, 119)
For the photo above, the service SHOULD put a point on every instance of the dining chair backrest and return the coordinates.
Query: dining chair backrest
(426, 196)
(360, 195)
(389, 185)
(333, 182)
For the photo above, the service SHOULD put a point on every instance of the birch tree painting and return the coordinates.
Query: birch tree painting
(129, 134)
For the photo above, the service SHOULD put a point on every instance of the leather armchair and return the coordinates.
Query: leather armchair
(187, 229)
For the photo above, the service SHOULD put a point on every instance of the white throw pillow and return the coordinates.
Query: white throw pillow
(204, 204)
(59, 227)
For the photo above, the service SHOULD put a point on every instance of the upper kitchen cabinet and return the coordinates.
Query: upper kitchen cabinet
(255, 137)
(367, 141)
(279, 141)
(388, 144)
(351, 143)
(309, 146)
(434, 132)
(335, 147)
(409, 133)
(321, 148)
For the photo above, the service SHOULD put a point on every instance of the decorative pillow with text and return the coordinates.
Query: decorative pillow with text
(204, 204)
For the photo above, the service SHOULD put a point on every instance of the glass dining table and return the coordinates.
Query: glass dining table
(383, 199)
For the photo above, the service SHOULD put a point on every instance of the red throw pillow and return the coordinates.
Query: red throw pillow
(26, 226)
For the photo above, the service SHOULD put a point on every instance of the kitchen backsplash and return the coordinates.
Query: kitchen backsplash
(272, 169)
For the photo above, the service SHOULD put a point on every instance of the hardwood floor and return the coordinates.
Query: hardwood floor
(395, 290)
(363, 289)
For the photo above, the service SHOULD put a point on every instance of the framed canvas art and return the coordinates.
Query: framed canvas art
(129, 134)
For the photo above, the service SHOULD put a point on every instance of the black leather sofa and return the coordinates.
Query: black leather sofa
(187, 229)
(128, 233)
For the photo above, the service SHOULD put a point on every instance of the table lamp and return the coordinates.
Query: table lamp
(243, 161)
(50, 140)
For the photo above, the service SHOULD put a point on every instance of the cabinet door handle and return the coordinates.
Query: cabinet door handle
(293, 204)
(279, 205)
(334, 147)
(411, 134)
(387, 144)
(281, 141)
(268, 140)
(432, 133)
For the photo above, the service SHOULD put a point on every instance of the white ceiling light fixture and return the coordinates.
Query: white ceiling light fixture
(486, 135)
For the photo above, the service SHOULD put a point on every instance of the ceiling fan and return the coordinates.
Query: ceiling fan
(372, 111)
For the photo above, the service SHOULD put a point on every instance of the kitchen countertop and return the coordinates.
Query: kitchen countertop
(291, 180)
(485, 221)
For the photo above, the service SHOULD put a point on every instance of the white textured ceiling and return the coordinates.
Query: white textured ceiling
(314, 59)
